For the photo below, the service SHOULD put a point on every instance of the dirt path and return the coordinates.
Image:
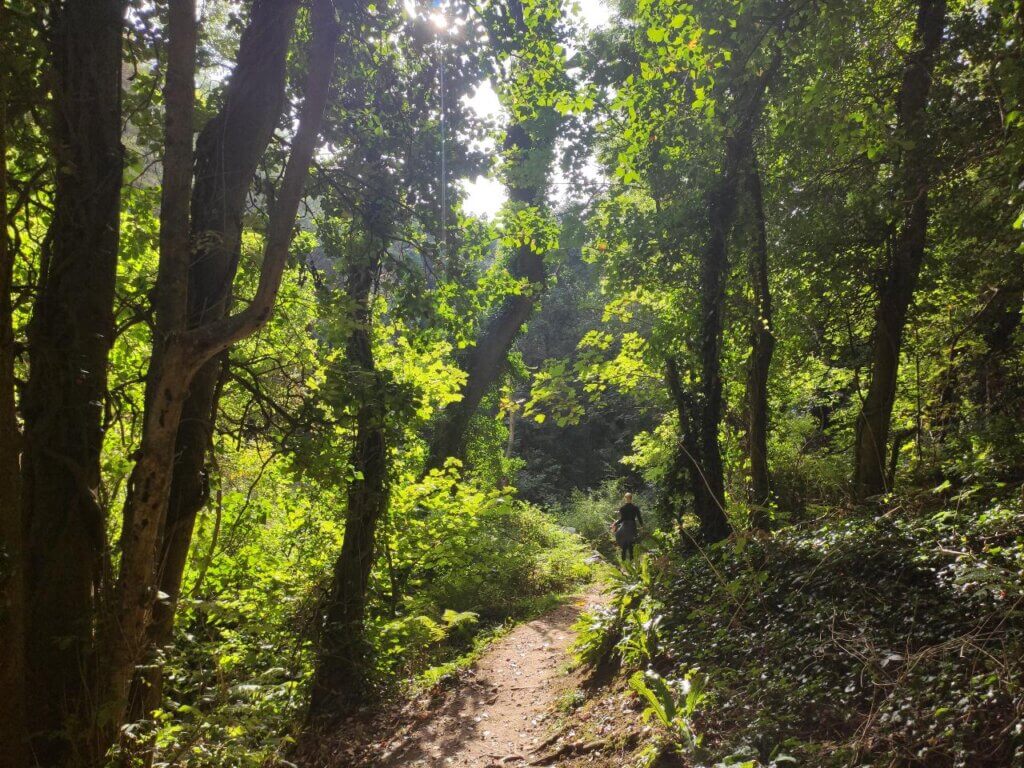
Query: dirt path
(502, 711)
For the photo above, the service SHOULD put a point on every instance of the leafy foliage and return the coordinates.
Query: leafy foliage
(856, 639)
(672, 703)
(872, 635)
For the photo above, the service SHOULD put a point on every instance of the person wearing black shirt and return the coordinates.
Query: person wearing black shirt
(627, 527)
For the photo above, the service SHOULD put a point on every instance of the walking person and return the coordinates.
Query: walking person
(627, 528)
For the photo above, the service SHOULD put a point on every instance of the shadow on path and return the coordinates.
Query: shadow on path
(501, 711)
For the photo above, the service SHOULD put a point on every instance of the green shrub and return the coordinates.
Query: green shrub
(628, 627)
(803, 473)
(456, 560)
(515, 554)
(672, 704)
(458, 546)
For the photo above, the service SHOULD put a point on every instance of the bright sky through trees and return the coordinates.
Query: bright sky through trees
(290, 429)
(485, 194)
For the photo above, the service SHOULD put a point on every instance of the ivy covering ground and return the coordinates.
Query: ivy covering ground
(850, 641)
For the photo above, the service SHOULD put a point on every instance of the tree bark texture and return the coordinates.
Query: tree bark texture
(898, 440)
(709, 503)
(13, 734)
(486, 360)
(69, 338)
(913, 177)
(341, 683)
(762, 347)
(685, 470)
(227, 154)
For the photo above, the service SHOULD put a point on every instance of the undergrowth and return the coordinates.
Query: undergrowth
(858, 640)
(458, 564)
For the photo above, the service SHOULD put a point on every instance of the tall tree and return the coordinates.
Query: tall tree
(762, 346)
(380, 187)
(228, 151)
(69, 338)
(529, 147)
(340, 684)
(88, 629)
(693, 163)
(13, 745)
(524, 39)
(709, 504)
(740, 120)
(180, 353)
(913, 176)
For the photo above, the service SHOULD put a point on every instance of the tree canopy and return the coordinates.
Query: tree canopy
(285, 425)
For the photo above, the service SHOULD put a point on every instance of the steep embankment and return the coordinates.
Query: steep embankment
(852, 640)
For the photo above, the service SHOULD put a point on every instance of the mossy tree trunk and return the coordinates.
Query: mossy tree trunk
(69, 339)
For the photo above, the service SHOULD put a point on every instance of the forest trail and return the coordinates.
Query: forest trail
(501, 712)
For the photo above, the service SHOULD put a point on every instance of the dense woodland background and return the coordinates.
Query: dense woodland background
(285, 431)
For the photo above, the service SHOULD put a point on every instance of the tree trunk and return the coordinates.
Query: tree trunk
(174, 366)
(685, 470)
(709, 503)
(486, 360)
(227, 154)
(738, 135)
(13, 734)
(69, 338)
(762, 347)
(913, 177)
(341, 683)
(894, 455)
